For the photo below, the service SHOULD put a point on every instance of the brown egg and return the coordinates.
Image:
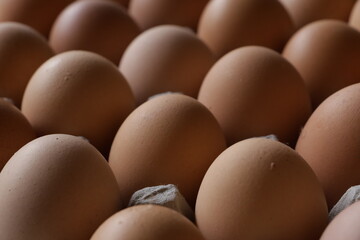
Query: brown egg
(22, 51)
(150, 13)
(307, 11)
(147, 222)
(56, 187)
(169, 139)
(79, 93)
(260, 189)
(330, 142)
(254, 91)
(103, 27)
(125, 3)
(38, 14)
(327, 54)
(354, 19)
(345, 225)
(166, 58)
(228, 24)
(15, 131)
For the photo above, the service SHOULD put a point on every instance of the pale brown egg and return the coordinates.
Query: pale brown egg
(78, 93)
(15, 131)
(150, 13)
(228, 24)
(147, 222)
(354, 19)
(38, 14)
(22, 51)
(170, 139)
(330, 142)
(345, 225)
(307, 11)
(166, 58)
(260, 189)
(253, 91)
(327, 54)
(103, 27)
(56, 187)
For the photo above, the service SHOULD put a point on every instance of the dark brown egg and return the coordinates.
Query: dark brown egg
(254, 91)
(56, 187)
(38, 14)
(22, 51)
(150, 13)
(307, 11)
(166, 58)
(330, 142)
(15, 131)
(103, 27)
(170, 139)
(327, 54)
(78, 93)
(228, 24)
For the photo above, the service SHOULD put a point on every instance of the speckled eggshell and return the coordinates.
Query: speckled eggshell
(330, 142)
(38, 14)
(150, 13)
(170, 139)
(166, 58)
(103, 27)
(260, 189)
(15, 131)
(22, 51)
(345, 225)
(306, 11)
(228, 24)
(253, 91)
(147, 222)
(78, 93)
(56, 187)
(327, 54)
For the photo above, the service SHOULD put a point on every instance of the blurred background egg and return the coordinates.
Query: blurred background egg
(22, 51)
(260, 189)
(253, 91)
(150, 13)
(15, 131)
(228, 24)
(147, 222)
(345, 225)
(56, 187)
(354, 19)
(38, 14)
(103, 27)
(330, 142)
(170, 139)
(124, 3)
(307, 11)
(166, 58)
(327, 54)
(79, 93)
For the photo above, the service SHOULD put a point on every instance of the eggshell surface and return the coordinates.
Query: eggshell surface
(147, 222)
(103, 27)
(330, 142)
(15, 131)
(326, 53)
(22, 51)
(171, 139)
(150, 13)
(56, 187)
(260, 189)
(228, 24)
(78, 93)
(253, 91)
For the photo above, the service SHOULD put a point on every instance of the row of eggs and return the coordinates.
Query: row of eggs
(242, 92)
